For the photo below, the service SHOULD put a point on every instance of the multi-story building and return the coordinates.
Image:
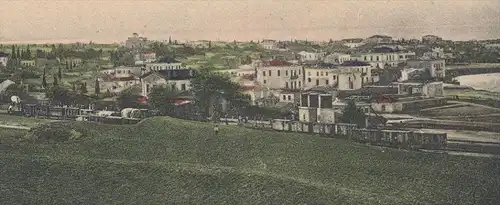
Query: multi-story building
(436, 67)
(364, 69)
(320, 75)
(269, 44)
(123, 71)
(143, 58)
(178, 79)
(164, 64)
(278, 74)
(353, 42)
(136, 41)
(383, 57)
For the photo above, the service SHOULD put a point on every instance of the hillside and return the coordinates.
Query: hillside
(170, 161)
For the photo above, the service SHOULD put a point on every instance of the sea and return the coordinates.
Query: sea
(488, 82)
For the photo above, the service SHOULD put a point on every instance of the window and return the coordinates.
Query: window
(284, 97)
(286, 72)
(326, 73)
(263, 73)
(308, 79)
(286, 84)
(334, 77)
(383, 108)
(378, 58)
(289, 98)
(147, 88)
(300, 84)
(317, 82)
(299, 72)
(317, 73)
(327, 82)
(295, 84)
(183, 86)
(279, 73)
(173, 87)
(321, 73)
(269, 72)
(265, 81)
(365, 58)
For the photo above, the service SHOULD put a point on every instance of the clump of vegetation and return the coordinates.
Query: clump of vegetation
(53, 132)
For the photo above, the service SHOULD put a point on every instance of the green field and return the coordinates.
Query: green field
(169, 161)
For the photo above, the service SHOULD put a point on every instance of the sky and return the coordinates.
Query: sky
(115, 20)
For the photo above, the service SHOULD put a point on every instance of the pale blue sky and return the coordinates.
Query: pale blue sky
(114, 20)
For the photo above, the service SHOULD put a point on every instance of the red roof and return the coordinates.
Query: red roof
(276, 62)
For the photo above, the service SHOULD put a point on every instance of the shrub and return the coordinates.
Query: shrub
(53, 132)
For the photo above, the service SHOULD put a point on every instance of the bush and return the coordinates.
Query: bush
(53, 132)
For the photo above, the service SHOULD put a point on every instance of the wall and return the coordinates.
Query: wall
(387, 107)
(349, 81)
(280, 76)
(307, 114)
(319, 77)
(326, 115)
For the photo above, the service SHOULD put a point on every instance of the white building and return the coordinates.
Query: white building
(316, 107)
(165, 64)
(269, 44)
(355, 68)
(436, 67)
(311, 56)
(384, 56)
(242, 70)
(277, 74)
(353, 42)
(4, 58)
(143, 58)
(135, 41)
(116, 84)
(320, 75)
(122, 71)
(337, 58)
(176, 79)
(431, 39)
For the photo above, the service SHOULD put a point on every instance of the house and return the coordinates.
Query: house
(164, 64)
(353, 42)
(242, 70)
(136, 41)
(320, 75)
(426, 90)
(378, 39)
(436, 67)
(430, 39)
(4, 58)
(336, 58)
(74, 61)
(269, 44)
(278, 74)
(178, 79)
(122, 71)
(311, 56)
(355, 67)
(316, 107)
(143, 58)
(116, 84)
(384, 56)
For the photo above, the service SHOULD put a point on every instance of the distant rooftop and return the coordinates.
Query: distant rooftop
(168, 60)
(276, 62)
(380, 36)
(2, 54)
(354, 63)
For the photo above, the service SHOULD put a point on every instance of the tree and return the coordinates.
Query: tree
(353, 115)
(128, 99)
(56, 81)
(97, 87)
(44, 78)
(28, 53)
(83, 87)
(210, 88)
(13, 52)
(59, 94)
(18, 54)
(59, 72)
(160, 98)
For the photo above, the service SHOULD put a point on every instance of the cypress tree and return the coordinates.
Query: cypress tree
(59, 73)
(97, 87)
(44, 78)
(84, 87)
(18, 54)
(13, 52)
(55, 82)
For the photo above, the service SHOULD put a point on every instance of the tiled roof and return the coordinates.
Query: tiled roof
(2, 54)
(354, 63)
(276, 62)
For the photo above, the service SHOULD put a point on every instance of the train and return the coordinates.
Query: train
(381, 136)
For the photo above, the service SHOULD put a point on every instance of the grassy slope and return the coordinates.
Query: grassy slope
(167, 161)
